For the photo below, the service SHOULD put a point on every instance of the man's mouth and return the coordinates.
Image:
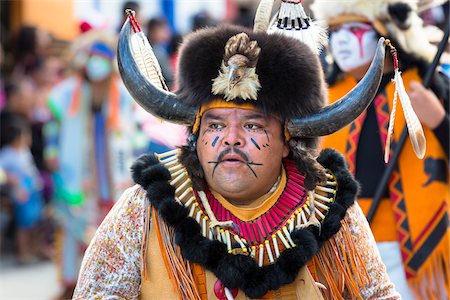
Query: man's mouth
(232, 158)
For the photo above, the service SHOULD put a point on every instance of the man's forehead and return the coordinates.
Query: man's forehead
(221, 113)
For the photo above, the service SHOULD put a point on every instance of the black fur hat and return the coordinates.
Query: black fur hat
(290, 75)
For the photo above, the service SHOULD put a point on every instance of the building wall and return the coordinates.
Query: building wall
(62, 17)
(56, 16)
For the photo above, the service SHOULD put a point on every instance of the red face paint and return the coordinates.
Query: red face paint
(353, 45)
(359, 32)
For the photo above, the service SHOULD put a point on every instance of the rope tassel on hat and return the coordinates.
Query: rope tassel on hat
(415, 130)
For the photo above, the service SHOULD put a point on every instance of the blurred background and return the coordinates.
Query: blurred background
(61, 170)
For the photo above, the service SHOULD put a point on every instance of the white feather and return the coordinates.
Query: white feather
(146, 60)
(415, 130)
(387, 147)
(292, 21)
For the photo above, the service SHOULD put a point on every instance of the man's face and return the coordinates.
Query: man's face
(240, 152)
(353, 45)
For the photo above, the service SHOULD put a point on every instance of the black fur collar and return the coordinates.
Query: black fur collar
(240, 271)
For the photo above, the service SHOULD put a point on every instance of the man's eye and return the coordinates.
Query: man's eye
(215, 126)
(252, 126)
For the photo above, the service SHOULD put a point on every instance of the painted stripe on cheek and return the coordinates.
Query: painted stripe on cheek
(215, 141)
(255, 143)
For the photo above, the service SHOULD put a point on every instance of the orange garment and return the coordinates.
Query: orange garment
(338, 265)
(156, 285)
(417, 214)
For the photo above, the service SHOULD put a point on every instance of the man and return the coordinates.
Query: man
(88, 149)
(244, 209)
(411, 223)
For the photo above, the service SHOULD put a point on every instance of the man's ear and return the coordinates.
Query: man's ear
(285, 150)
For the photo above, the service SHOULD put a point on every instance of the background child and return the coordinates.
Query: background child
(25, 187)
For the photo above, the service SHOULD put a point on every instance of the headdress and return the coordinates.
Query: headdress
(277, 74)
(396, 19)
(272, 72)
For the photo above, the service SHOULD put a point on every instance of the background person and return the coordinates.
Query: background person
(90, 146)
(412, 236)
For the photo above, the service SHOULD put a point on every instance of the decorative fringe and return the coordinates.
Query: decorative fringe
(415, 130)
(433, 279)
(145, 235)
(342, 267)
(162, 178)
(292, 21)
(180, 273)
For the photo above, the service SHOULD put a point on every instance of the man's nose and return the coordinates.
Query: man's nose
(233, 136)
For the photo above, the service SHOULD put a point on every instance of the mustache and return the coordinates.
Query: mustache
(244, 157)
(232, 150)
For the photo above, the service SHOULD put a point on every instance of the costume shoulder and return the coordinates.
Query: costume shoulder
(114, 256)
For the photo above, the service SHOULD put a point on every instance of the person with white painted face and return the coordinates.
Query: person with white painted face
(411, 223)
(90, 147)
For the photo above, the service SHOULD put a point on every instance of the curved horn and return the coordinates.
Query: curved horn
(262, 16)
(341, 113)
(153, 99)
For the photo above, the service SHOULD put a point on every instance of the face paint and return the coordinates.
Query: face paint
(255, 143)
(353, 45)
(239, 153)
(234, 167)
(267, 136)
(215, 141)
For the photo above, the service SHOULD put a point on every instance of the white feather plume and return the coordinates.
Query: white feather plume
(291, 20)
(146, 60)
(415, 130)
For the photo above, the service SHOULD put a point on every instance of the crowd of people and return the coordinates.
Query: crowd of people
(70, 132)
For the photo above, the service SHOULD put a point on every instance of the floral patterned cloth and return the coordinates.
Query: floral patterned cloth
(111, 267)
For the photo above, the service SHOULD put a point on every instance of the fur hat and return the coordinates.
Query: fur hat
(396, 19)
(272, 72)
(290, 75)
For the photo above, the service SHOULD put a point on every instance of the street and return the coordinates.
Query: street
(37, 281)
